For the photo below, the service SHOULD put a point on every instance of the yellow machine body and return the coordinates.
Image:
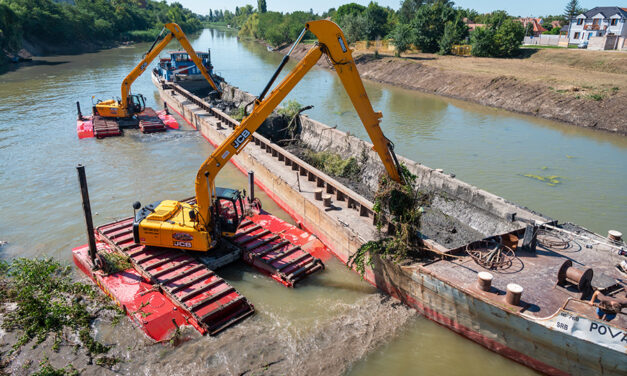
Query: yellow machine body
(110, 108)
(171, 226)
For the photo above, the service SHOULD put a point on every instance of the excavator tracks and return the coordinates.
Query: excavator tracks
(104, 127)
(149, 122)
(188, 283)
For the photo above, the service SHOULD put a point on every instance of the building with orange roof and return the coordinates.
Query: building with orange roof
(537, 25)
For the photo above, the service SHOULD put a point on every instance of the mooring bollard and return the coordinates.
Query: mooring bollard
(326, 200)
(82, 181)
(513, 294)
(484, 281)
(318, 194)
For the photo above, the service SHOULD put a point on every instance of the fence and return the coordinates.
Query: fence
(546, 40)
(379, 45)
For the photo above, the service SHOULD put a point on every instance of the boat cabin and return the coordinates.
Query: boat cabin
(180, 64)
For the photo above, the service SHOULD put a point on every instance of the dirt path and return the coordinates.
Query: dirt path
(583, 88)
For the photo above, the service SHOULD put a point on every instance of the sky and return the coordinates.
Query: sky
(516, 8)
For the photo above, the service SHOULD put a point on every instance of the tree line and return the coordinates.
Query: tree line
(432, 26)
(57, 23)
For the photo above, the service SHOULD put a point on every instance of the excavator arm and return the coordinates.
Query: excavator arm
(174, 32)
(331, 41)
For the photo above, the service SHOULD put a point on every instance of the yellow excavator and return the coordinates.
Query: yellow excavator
(199, 226)
(132, 104)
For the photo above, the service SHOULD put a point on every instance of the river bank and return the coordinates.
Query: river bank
(10, 60)
(568, 88)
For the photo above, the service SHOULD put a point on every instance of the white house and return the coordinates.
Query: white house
(598, 22)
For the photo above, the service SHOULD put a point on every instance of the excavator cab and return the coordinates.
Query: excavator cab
(230, 208)
(137, 103)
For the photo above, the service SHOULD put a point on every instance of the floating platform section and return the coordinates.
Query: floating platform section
(281, 250)
(150, 122)
(147, 307)
(188, 283)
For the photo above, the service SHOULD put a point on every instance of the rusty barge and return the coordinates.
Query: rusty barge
(521, 284)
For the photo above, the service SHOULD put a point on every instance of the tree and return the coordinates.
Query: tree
(376, 17)
(345, 10)
(508, 38)
(454, 32)
(408, 10)
(502, 41)
(401, 38)
(429, 23)
(355, 27)
(529, 29)
(496, 19)
(482, 41)
(329, 13)
(572, 9)
(261, 6)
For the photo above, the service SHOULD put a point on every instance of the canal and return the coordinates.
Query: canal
(499, 151)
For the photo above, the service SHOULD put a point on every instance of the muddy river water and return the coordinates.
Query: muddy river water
(333, 323)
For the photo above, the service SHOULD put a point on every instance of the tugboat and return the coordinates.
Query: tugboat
(178, 67)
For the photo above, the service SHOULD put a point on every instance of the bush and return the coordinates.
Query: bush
(333, 164)
(454, 32)
(502, 41)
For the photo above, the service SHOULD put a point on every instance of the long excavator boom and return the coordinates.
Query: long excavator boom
(331, 41)
(165, 223)
(122, 109)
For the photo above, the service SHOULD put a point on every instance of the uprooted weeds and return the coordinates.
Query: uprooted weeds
(400, 205)
(47, 302)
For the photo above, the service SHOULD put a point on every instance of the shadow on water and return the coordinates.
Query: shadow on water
(31, 63)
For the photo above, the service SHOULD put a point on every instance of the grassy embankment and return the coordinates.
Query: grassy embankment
(585, 88)
(579, 72)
